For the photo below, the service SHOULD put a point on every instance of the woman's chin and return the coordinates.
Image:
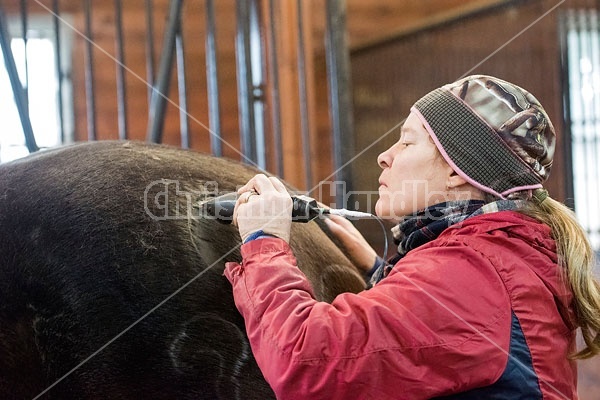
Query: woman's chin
(384, 212)
(380, 209)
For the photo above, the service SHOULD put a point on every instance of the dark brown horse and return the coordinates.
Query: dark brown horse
(111, 283)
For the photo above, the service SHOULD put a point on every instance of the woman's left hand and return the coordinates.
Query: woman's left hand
(263, 205)
(356, 247)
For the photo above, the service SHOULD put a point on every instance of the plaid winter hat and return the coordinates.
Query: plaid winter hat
(493, 133)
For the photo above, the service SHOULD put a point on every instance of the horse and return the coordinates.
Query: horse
(111, 279)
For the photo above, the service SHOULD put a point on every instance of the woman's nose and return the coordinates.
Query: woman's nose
(384, 159)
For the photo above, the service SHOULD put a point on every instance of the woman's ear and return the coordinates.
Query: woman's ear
(454, 180)
(461, 189)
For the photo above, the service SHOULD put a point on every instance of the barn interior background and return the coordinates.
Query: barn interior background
(311, 90)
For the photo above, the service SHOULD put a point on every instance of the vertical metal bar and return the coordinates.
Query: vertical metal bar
(58, 66)
(156, 117)
(592, 28)
(257, 83)
(181, 86)
(17, 87)
(25, 36)
(566, 99)
(212, 79)
(149, 11)
(244, 79)
(121, 91)
(340, 102)
(302, 91)
(577, 118)
(582, 50)
(594, 57)
(89, 72)
(595, 33)
(276, 104)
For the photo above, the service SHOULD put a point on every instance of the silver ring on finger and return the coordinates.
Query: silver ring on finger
(250, 194)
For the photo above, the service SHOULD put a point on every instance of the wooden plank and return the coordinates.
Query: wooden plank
(397, 18)
(287, 62)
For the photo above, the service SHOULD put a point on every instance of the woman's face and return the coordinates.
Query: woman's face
(414, 174)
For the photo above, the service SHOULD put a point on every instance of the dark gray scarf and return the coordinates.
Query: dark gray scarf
(426, 225)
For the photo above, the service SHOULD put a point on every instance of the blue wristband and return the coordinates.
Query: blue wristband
(378, 263)
(257, 235)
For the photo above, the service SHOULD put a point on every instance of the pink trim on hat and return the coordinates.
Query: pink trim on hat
(519, 188)
(449, 160)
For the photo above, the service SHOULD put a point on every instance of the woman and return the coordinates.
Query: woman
(491, 280)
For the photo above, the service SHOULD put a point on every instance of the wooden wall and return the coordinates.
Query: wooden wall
(389, 78)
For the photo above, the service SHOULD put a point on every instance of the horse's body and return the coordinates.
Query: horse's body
(93, 237)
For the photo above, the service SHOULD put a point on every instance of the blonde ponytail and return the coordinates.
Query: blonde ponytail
(576, 257)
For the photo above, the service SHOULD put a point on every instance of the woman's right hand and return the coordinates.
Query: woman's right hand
(355, 245)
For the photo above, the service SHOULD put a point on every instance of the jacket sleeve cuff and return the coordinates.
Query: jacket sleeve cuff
(268, 244)
(378, 263)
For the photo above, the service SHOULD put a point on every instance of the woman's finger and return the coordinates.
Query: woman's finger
(263, 184)
(342, 222)
(278, 185)
(356, 247)
(341, 230)
(250, 185)
(242, 199)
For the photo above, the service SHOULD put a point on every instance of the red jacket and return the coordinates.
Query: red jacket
(444, 321)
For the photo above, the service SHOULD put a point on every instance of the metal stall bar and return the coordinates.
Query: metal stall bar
(121, 91)
(212, 81)
(302, 91)
(580, 57)
(149, 14)
(17, 87)
(257, 73)
(573, 52)
(89, 72)
(276, 106)
(244, 75)
(590, 27)
(340, 101)
(160, 92)
(25, 36)
(58, 66)
(566, 96)
(586, 122)
(595, 34)
(181, 85)
(593, 187)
